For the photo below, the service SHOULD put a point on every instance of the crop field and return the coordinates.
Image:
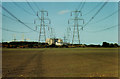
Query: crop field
(60, 62)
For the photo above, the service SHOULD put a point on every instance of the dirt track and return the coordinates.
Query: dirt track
(60, 62)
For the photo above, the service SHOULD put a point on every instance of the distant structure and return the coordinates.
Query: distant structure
(54, 41)
(21, 40)
(77, 22)
(65, 39)
(14, 38)
(68, 35)
(41, 22)
(24, 38)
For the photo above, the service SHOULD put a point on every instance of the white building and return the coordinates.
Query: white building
(51, 41)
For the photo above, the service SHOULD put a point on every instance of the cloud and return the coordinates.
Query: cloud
(63, 12)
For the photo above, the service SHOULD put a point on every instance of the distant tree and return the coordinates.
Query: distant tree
(116, 45)
(105, 44)
(111, 45)
(30, 46)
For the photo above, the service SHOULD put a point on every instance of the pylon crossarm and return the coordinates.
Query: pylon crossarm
(36, 20)
(42, 11)
(79, 12)
(82, 20)
(70, 20)
(48, 20)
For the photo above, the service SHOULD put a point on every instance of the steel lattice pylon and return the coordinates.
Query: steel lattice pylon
(42, 24)
(76, 26)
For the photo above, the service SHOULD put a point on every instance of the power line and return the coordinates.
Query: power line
(95, 14)
(36, 6)
(17, 18)
(23, 9)
(92, 9)
(105, 17)
(8, 17)
(13, 30)
(14, 19)
(79, 5)
(31, 7)
(103, 29)
(82, 6)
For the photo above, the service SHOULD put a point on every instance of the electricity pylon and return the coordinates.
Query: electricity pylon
(51, 33)
(76, 26)
(14, 37)
(42, 24)
(24, 38)
(65, 38)
(68, 34)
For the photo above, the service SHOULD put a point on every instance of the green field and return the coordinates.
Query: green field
(60, 62)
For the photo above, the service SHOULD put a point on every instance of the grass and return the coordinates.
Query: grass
(60, 62)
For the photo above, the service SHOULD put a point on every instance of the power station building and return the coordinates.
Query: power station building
(54, 41)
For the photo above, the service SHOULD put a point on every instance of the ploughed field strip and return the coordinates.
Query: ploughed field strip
(60, 62)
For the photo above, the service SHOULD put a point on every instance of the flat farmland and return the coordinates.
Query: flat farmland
(60, 62)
